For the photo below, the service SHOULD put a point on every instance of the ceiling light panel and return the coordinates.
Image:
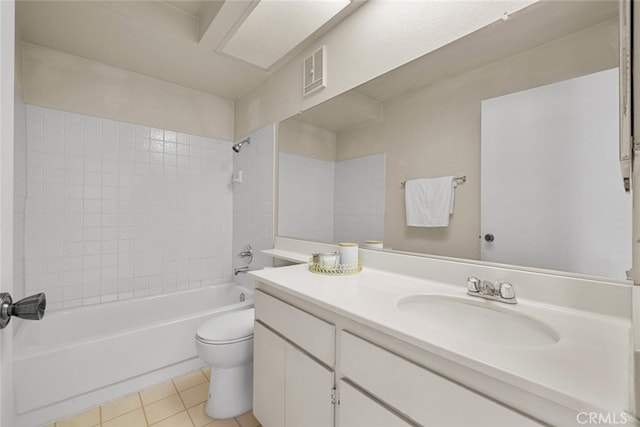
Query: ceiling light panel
(275, 27)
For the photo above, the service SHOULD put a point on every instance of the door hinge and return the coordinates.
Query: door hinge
(335, 399)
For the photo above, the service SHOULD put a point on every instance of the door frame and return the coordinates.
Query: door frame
(7, 84)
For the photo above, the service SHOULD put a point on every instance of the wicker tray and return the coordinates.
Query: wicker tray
(337, 270)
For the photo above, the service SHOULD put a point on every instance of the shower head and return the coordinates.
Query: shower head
(238, 146)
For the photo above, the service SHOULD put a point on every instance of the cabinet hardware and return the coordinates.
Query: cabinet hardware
(335, 399)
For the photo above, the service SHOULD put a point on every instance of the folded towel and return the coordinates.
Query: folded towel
(429, 201)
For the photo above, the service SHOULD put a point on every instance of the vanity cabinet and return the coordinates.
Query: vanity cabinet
(304, 374)
(424, 396)
(293, 380)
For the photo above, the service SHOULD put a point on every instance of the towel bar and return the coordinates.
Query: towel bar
(459, 179)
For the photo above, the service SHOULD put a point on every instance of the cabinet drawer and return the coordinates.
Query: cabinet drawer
(357, 410)
(310, 333)
(422, 395)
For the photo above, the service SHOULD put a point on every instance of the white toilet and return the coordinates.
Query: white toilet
(226, 344)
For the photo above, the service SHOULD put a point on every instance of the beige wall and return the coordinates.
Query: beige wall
(65, 82)
(306, 140)
(376, 38)
(436, 131)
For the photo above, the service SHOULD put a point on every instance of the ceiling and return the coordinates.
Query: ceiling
(532, 26)
(190, 7)
(179, 41)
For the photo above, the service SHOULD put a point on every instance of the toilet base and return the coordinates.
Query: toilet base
(230, 391)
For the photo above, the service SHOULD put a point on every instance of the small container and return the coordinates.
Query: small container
(373, 244)
(348, 253)
(328, 259)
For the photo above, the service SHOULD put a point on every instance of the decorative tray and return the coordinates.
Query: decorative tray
(335, 270)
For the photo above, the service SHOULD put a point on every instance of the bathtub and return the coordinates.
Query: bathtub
(72, 353)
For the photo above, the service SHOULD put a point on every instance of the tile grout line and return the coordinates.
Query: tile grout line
(190, 417)
(206, 381)
(144, 413)
(167, 417)
(142, 405)
(183, 404)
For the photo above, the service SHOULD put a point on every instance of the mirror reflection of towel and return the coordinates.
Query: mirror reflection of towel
(429, 201)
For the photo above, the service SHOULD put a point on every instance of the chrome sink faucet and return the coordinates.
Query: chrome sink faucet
(496, 291)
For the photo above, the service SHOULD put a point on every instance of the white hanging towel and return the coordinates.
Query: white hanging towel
(429, 201)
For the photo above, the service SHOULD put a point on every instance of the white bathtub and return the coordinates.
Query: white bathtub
(71, 353)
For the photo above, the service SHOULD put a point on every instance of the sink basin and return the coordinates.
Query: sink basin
(480, 320)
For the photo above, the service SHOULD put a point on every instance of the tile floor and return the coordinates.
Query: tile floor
(176, 403)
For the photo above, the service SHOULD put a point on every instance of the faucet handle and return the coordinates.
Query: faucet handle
(473, 284)
(507, 291)
(247, 253)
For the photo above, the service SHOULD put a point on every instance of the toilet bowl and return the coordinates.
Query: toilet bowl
(225, 343)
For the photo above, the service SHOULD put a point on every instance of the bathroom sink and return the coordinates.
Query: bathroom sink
(480, 320)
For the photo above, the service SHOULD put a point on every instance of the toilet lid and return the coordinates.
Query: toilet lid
(228, 327)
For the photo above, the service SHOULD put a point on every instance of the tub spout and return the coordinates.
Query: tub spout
(240, 270)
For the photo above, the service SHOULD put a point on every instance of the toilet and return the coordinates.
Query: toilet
(225, 343)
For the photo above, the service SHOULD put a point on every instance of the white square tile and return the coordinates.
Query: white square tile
(34, 113)
(34, 128)
(73, 119)
(93, 193)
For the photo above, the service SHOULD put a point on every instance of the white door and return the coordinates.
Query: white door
(552, 191)
(7, 25)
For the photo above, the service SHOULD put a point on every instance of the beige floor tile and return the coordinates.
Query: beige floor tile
(180, 419)
(191, 379)
(85, 419)
(206, 372)
(199, 416)
(131, 419)
(194, 395)
(120, 407)
(229, 422)
(247, 420)
(163, 408)
(158, 392)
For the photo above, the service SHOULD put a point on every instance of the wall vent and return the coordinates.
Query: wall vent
(315, 71)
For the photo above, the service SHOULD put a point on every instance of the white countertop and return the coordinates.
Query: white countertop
(588, 367)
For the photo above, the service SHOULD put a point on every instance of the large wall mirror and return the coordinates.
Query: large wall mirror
(527, 109)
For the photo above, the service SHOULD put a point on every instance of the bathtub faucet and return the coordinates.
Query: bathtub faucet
(240, 270)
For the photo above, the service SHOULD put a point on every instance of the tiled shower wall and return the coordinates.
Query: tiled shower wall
(253, 200)
(359, 199)
(305, 197)
(331, 202)
(116, 210)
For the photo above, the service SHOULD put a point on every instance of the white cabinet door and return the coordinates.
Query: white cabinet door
(268, 377)
(290, 389)
(358, 410)
(308, 391)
